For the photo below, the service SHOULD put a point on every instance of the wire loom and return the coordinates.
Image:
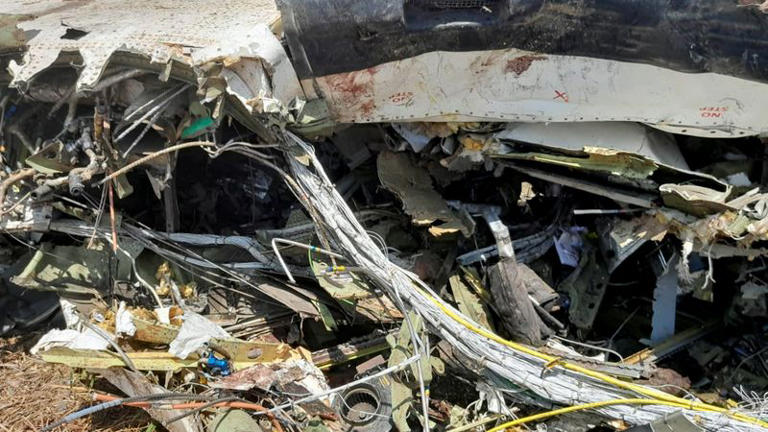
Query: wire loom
(508, 366)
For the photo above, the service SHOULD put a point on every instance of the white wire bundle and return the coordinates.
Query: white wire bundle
(752, 402)
(506, 368)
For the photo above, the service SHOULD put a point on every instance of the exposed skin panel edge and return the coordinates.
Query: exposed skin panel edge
(521, 86)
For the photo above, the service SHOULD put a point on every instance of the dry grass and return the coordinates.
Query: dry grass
(34, 393)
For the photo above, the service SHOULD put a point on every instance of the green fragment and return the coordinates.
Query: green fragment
(403, 390)
(326, 316)
(402, 399)
(619, 163)
(48, 160)
(234, 420)
(352, 292)
(739, 225)
(123, 186)
(71, 269)
(437, 365)
(197, 128)
(316, 425)
(469, 303)
(11, 36)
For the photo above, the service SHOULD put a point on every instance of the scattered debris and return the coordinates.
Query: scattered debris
(209, 226)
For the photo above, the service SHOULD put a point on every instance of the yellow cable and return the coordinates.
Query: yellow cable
(656, 395)
(582, 407)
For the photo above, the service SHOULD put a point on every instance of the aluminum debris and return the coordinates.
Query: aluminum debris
(315, 216)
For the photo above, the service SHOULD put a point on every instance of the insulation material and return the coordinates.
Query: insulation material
(85, 340)
(194, 333)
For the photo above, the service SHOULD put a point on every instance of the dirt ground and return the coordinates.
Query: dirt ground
(34, 393)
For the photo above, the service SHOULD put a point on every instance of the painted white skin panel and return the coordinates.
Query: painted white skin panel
(515, 85)
(194, 32)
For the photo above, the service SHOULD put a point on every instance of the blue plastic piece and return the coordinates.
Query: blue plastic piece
(222, 365)
(10, 112)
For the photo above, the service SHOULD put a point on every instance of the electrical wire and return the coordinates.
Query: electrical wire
(197, 406)
(311, 248)
(203, 407)
(104, 335)
(151, 156)
(656, 395)
(582, 407)
(517, 364)
(590, 346)
(114, 402)
(158, 108)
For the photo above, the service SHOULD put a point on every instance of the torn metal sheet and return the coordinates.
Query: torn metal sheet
(586, 287)
(234, 32)
(640, 199)
(413, 186)
(507, 364)
(665, 301)
(625, 137)
(469, 303)
(693, 199)
(600, 160)
(701, 201)
(68, 269)
(625, 153)
(354, 294)
(237, 350)
(620, 238)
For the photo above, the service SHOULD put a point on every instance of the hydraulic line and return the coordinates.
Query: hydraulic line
(198, 406)
(114, 402)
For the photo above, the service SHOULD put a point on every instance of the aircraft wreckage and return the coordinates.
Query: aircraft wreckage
(458, 215)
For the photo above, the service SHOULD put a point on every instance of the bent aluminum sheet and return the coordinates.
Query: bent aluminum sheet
(193, 32)
(523, 86)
